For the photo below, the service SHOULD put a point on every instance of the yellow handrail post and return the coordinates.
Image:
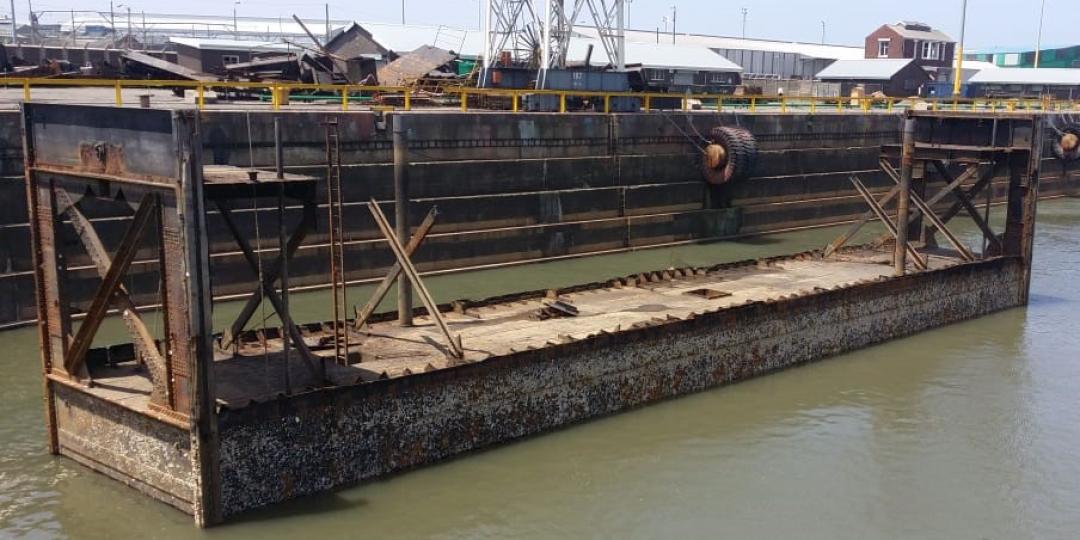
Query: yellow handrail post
(26, 89)
(783, 104)
(345, 98)
(200, 96)
(119, 95)
(813, 105)
(464, 101)
(889, 105)
(648, 103)
(562, 102)
(753, 104)
(408, 99)
(514, 101)
(720, 104)
(839, 104)
(275, 97)
(607, 103)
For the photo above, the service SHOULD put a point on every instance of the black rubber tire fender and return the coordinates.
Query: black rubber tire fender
(1059, 151)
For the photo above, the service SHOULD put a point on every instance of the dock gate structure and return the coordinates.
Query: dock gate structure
(216, 418)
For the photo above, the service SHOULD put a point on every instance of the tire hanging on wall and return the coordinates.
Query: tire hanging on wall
(730, 155)
(1067, 145)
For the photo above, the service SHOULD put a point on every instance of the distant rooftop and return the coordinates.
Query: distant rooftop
(873, 69)
(920, 31)
(1028, 76)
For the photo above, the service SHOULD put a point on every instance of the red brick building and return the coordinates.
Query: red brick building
(930, 48)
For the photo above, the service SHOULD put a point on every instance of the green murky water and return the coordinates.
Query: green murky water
(970, 431)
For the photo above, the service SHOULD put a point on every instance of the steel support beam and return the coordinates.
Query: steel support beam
(884, 218)
(453, 342)
(395, 271)
(140, 335)
(314, 363)
(125, 255)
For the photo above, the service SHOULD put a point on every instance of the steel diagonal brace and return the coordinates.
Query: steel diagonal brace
(140, 334)
(964, 200)
(453, 342)
(270, 277)
(869, 215)
(928, 212)
(920, 262)
(395, 271)
(99, 306)
(314, 363)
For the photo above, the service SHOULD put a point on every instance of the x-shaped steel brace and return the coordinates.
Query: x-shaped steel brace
(879, 211)
(453, 342)
(395, 271)
(315, 364)
(140, 335)
(963, 200)
(75, 362)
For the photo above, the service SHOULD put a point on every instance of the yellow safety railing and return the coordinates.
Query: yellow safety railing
(280, 94)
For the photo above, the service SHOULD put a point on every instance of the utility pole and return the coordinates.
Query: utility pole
(14, 27)
(960, 51)
(1038, 39)
(822, 32)
(402, 11)
(73, 28)
(673, 12)
(327, 23)
(112, 22)
(129, 26)
(745, 12)
(144, 29)
(235, 26)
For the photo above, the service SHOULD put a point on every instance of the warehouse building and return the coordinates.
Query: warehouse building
(894, 77)
(1058, 83)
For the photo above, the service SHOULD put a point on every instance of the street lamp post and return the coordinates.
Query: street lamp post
(960, 52)
(1038, 39)
(822, 32)
(745, 12)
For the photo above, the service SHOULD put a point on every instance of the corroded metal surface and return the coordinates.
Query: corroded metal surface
(335, 437)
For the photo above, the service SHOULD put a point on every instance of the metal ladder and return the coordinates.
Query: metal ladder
(338, 285)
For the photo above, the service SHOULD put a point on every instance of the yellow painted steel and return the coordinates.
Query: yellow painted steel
(278, 93)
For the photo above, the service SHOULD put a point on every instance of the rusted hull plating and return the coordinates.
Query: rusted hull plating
(194, 433)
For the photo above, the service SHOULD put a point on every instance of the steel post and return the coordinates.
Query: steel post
(907, 165)
(401, 212)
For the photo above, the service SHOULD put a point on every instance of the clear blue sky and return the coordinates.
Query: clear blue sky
(990, 22)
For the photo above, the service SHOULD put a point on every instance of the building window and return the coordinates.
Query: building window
(931, 50)
(227, 59)
(718, 78)
(883, 48)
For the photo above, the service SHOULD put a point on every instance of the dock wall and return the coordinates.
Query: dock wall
(278, 450)
(510, 188)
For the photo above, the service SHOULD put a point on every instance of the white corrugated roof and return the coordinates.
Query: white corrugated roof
(868, 69)
(653, 55)
(232, 44)
(811, 50)
(1026, 76)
